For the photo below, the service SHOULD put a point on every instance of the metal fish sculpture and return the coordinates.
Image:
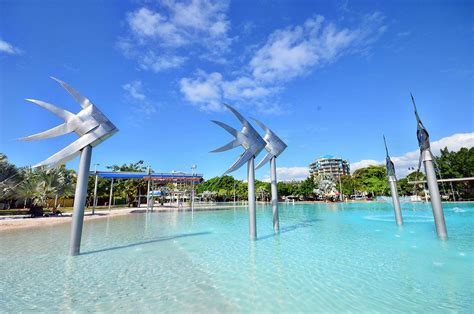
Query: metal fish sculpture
(248, 138)
(90, 124)
(274, 145)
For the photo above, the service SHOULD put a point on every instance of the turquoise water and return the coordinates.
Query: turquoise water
(328, 257)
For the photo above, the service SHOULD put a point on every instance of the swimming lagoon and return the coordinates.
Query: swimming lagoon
(327, 257)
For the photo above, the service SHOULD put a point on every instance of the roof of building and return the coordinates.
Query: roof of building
(173, 176)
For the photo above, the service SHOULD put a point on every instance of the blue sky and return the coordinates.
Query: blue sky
(330, 77)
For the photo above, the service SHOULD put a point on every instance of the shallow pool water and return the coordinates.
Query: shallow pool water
(327, 257)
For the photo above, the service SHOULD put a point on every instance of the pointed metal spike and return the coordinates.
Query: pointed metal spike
(385, 142)
(81, 100)
(62, 113)
(53, 132)
(414, 106)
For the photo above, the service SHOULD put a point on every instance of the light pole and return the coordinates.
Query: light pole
(95, 188)
(234, 191)
(193, 168)
(148, 190)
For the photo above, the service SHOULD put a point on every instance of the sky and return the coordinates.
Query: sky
(328, 77)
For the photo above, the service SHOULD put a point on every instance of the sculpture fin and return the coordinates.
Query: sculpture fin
(238, 115)
(69, 152)
(81, 100)
(263, 126)
(62, 113)
(226, 127)
(264, 161)
(53, 132)
(230, 145)
(242, 160)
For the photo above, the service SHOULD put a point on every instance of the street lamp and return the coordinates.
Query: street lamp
(95, 189)
(193, 168)
(234, 190)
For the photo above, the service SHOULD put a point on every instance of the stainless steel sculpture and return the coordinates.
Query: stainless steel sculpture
(253, 144)
(426, 156)
(93, 127)
(392, 179)
(275, 146)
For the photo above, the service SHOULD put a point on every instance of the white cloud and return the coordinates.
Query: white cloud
(138, 100)
(365, 163)
(8, 48)
(410, 159)
(135, 90)
(161, 38)
(290, 174)
(150, 61)
(209, 90)
(204, 90)
(288, 53)
(293, 51)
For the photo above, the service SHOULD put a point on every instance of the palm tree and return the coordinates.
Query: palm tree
(9, 178)
(40, 185)
(25, 190)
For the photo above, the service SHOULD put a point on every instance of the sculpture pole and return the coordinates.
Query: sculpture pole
(251, 199)
(428, 162)
(396, 202)
(392, 179)
(435, 197)
(273, 176)
(274, 146)
(80, 200)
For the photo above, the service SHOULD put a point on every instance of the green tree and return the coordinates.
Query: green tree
(347, 183)
(39, 185)
(9, 178)
(306, 188)
(458, 164)
(372, 179)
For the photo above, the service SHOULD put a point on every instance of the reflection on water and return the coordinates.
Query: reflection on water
(326, 258)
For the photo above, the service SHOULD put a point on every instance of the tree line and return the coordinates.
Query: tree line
(42, 187)
(370, 182)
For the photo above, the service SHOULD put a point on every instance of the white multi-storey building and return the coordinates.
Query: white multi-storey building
(330, 165)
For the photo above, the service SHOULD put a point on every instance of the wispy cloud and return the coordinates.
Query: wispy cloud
(287, 54)
(7, 48)
(290, 174)
(410, 159)
(404, 34)
(141, 105)
(159, 38)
